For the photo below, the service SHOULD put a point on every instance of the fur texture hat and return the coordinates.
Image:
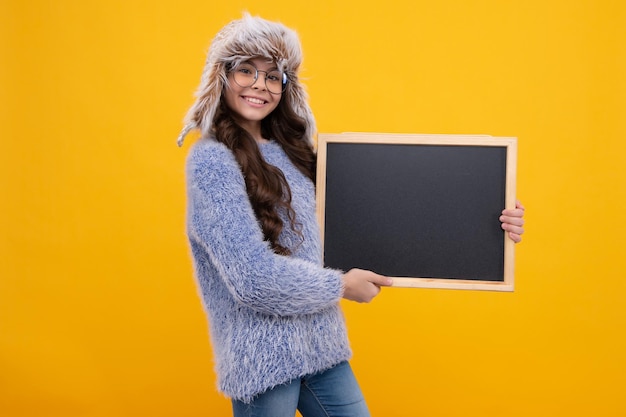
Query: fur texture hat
(241, 40)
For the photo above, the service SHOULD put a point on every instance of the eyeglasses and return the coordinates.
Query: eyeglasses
(245, 75)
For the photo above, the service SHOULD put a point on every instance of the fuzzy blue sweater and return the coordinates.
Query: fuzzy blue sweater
(272, 318)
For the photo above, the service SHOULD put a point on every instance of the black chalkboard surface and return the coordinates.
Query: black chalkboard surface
(421, 208)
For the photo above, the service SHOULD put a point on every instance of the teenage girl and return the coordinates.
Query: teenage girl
(277, 331)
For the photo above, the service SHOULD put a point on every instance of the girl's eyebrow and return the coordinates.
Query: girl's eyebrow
(272, 68)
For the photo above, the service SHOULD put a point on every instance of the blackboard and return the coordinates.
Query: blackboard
(423, 209)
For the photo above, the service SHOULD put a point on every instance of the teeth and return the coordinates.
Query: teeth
(255, 100)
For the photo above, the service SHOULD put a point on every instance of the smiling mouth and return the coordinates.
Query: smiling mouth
(254, 100)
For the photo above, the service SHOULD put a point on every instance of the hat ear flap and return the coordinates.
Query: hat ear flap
(200, 115)
(299, 99)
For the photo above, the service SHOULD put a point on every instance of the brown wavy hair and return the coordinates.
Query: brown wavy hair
(266, 185)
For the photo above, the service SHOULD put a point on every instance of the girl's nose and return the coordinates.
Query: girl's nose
(259, 83)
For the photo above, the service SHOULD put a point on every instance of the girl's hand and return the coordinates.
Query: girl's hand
(362, 286)
(513, 221)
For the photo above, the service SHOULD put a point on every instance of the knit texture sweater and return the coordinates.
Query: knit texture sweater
(272, 318)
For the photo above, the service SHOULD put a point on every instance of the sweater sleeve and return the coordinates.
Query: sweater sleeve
(222, 222)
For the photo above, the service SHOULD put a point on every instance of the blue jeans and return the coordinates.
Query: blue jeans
(332, 393)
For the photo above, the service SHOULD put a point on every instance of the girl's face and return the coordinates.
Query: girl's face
(253, 103)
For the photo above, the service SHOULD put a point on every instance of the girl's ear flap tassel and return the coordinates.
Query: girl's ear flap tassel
(183, 133)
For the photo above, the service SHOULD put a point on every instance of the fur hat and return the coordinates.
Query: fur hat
(241, 40)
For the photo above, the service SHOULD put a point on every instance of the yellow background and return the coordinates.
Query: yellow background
(99, 314)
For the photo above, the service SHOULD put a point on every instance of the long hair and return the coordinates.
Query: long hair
(266, 185)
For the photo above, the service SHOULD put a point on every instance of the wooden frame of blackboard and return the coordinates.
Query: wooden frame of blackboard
(505, 260)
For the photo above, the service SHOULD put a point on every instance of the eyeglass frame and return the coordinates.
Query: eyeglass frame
(285, 80)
